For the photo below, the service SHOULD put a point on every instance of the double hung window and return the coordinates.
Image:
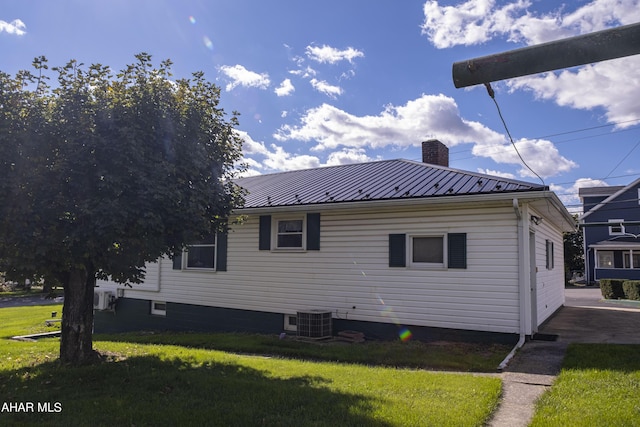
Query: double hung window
(290, 234)
(446, 250)
(427, 251)
(201, 255)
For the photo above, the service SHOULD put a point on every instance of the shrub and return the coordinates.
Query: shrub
(612, 288)
(631, 289)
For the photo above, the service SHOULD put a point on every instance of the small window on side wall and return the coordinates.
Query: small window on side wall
(444, 251)
(297, 232)
(427, 251)
(617, 227)
(201, 255)
(289, 234)
(549, 255)
(207, 255)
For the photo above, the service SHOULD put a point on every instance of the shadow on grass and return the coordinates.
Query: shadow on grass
(149, 391)
(467, 357)
(603, 357)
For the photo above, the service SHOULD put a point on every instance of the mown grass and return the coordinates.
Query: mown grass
(162, 383)
(467, 357)
(599, 385)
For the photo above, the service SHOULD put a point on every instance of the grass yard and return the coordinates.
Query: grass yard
(180, 379)
(599, 385)
(446, 356)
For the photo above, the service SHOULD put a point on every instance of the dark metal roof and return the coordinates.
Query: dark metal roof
(382, 180)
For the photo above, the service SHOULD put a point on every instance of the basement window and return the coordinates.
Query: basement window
(159, 308)
(290, 323)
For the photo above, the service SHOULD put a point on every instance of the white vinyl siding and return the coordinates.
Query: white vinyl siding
(549, 282)
(351, 269)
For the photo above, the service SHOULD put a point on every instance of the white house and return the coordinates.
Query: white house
(387, 248)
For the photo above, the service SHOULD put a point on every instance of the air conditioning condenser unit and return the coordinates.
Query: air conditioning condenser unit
(314, 324)
(103, 300)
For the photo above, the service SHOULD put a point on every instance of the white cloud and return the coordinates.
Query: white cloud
(469, 23)
(324, 87)
(401, 126)
(434, 116)
(16, 27)
(305, 72)
(332, 55)
(348, 156)
(286, 88)
(240, 76)
(540, 155)
(274, 157)
(609, 87)
(262, 158)
(476, 21)
(497, 173)
(569, 195)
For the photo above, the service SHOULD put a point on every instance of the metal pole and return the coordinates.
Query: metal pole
(588, 48)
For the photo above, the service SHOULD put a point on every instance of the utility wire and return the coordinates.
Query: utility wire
(623, 159)
(586, 129)
(570, 132)
(506, 128)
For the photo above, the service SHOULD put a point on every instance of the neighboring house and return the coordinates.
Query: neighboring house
(611, 229)
(385, 248)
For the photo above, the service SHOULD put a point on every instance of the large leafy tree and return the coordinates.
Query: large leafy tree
(100, 174)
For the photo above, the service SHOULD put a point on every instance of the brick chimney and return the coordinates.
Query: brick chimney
(435, 152)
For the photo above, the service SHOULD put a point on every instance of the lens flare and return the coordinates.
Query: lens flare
(386, 311)
(207, 42)
(192, 19)
(405, 334)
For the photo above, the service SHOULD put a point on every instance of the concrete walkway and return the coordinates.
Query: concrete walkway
(585, 318)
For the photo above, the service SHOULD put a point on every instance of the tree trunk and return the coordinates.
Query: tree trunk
(76, 342)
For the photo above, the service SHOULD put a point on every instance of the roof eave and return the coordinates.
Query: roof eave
(413, 201)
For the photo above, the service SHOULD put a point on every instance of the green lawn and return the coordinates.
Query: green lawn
(599, 385)
(189, 383)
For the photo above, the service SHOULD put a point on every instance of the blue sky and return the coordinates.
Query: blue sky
(338, 82)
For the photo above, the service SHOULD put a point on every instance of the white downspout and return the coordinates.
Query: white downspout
(522, 285)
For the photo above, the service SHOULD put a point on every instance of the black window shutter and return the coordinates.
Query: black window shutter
(313, 231)
(397, 250)
(177, 261)
(264, 243)
(457, 248)
(221, 252)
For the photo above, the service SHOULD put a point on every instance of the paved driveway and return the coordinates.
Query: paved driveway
(586, 318)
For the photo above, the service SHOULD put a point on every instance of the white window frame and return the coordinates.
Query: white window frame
(427, 265)
(156, 310)
(288, 324)
(599, 265)
(628, 257)
(275, 233)
(185, 255)
(549, 254)
(619, 223)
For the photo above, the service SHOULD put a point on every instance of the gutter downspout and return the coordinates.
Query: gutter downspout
(521, 281)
